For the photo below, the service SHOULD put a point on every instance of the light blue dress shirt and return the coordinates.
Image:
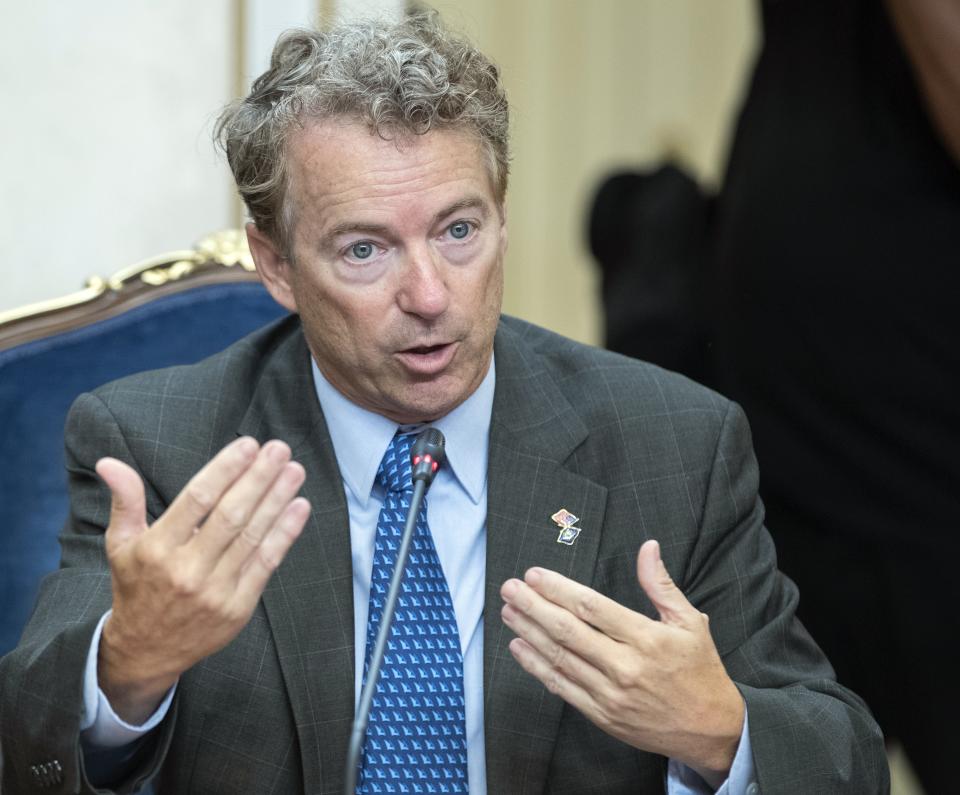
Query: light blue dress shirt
(456, 513)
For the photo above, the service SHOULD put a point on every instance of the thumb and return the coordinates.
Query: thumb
(659, 586)
(128, 504)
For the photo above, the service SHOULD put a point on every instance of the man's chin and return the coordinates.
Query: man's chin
(428, 400)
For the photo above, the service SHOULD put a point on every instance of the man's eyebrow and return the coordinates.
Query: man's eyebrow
(352, 226)
(469, 203)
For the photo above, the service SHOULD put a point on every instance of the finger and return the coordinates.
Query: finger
(533, 663)
(560, 657)
(271, 552)
(201, 495)
(561, 625)
(597, 610)
(659, 586)
(128, 502)
(236, 508)
(284, 489)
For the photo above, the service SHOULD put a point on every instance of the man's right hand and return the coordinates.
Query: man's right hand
(186, 585)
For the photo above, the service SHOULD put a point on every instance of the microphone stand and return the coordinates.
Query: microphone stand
(421, 480)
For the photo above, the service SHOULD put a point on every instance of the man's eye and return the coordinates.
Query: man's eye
(361, 250)
(460, 230)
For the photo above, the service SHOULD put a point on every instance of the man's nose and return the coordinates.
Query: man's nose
(423, 289)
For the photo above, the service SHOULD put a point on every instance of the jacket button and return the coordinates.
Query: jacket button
(46, 774)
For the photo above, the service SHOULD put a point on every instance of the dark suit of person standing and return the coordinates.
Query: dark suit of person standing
(836, 327)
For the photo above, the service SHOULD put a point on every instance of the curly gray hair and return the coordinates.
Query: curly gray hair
(399, 77)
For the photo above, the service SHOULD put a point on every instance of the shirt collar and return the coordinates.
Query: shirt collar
(360, 437)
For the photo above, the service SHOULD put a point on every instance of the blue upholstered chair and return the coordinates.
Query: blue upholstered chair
(173, 309)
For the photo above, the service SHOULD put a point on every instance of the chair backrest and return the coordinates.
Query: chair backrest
(173, 309)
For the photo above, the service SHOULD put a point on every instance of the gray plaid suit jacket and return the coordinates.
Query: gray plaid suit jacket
(632, 450)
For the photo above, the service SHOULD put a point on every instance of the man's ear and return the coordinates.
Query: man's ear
(272, 267)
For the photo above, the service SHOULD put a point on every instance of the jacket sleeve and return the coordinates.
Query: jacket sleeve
(808, 733)
(41, 681)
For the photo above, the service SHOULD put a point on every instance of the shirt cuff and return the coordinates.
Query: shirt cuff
(100, 726)
(742, 780)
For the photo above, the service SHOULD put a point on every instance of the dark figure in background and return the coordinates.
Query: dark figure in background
(649, 233)
(835, 322)
(837, 327)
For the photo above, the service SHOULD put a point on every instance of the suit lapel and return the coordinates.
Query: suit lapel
(309, 599)
(533, 433)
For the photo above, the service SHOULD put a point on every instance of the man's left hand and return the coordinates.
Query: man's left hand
(656, 685)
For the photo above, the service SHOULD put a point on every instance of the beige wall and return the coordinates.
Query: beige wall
(594, 86)
(105, 152)
(105, 148)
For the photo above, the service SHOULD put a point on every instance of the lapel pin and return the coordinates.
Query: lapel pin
(566, 521)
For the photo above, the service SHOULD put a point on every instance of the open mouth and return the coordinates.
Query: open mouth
(428, 360)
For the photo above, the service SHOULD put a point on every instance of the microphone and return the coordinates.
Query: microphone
(426, 456)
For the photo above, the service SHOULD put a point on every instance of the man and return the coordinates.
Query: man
(208, 625)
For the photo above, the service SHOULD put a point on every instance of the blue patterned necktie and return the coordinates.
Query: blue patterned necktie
(416, 737)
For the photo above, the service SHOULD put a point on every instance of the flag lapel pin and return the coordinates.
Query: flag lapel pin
(566, 521)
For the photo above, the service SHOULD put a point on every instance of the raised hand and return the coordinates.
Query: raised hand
(186, 585)
(656, 685)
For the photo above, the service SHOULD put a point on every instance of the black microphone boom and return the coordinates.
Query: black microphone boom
(426, 456)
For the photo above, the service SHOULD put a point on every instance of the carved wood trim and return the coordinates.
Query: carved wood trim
(221, 258)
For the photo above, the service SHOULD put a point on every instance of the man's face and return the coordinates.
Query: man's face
(397, 264)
